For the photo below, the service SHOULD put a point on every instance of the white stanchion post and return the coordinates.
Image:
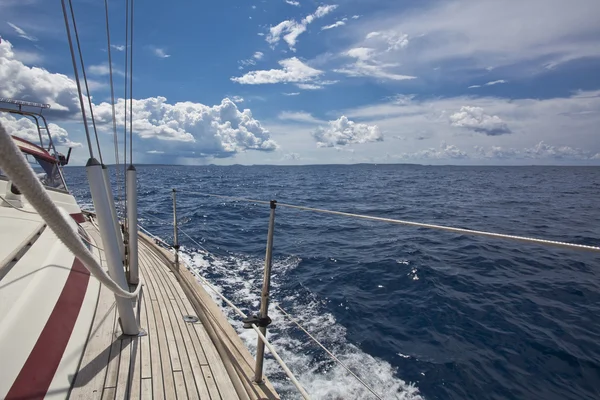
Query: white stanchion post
(175, 233)
(263, 316)
(113, 212)
(132, 217)
(110, 243)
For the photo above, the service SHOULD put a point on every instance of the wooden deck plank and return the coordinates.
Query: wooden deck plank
(108, 394)
(163, 347)
(144, 341)
(192, 372)
(122, 383)
(112, 373)
(135, 371)
(146, 393)
(210, 382)
(219, 376)
(180, 385)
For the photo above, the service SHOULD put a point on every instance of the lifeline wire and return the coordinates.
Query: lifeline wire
(416, 224)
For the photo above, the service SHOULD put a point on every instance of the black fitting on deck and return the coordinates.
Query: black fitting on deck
(256, 320)
(175, 246)
(273, 204)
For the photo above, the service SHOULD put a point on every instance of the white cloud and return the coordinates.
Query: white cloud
(28, 57)
(291, 157)
(26, 129)
(22, 33)
(475, 119)
(237, 99)
(473, 34)
(299, 116)
(36, 84)
(474, 86)
(159, 52)
(334, 25)
(191, 129)
(392, 39)
(496, 82)
(102, 69)
(366, 65)
(118, 47)
(309, 86)
(355, 16)
(258, 55)
(293, 71)
(291, 94)
(291, 29)
(155, 152)
(445, 151)
(293, 3)
(342, 132)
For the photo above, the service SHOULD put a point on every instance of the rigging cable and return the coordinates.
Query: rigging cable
(415, 224)
(126, 72)
(76, 72)
(131, 91)
(87, 89)
(112, 96)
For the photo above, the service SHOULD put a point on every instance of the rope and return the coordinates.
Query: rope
(87, 89)
(262, 337)
(13, 163)
(329, 352)
(416, 224)
(76, 72)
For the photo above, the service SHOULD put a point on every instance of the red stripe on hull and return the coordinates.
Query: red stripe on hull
(43, 361)
(78, 217)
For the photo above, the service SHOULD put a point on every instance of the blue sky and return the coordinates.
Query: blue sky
(305, 82)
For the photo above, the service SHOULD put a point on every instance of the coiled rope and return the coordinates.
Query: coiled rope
(415, 224)
(13, 163)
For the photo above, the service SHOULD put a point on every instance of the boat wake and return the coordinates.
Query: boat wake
(239, 278)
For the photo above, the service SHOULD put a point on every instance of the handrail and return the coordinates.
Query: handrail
(573, 246)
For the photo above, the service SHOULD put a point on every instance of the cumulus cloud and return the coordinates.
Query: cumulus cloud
(365, 64)
(342, 132)
(290, 29)
(27, 129)
(541, 151)
(36, 84)
(334, 25)
(293, 71)
(258, 55)
(475, 119)
(22, 33)
(192, 129)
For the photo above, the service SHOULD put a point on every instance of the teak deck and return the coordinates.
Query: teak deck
(175, 359)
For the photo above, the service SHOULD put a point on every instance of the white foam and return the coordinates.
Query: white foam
(240, 278)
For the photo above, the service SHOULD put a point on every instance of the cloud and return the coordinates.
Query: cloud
(159, 52)
(342, 132)
(299, 116)
(103, 69)
(392, 39)
(468, 34)
(474, 86)
(355, 16)
(366, 65)
(293, 3)
(28, 57)
(237, 99)
(445, 151)
(118, 47)
(291, 94)
(258, 55)
(293, 71)
(27, 129)
(191, 129)
(334, 25)
(495, 82)
(22, 33)
(291, 29)
(36, 84)
(475, 119)
(291, 157)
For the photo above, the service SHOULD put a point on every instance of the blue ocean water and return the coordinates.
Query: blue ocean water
(416, 313)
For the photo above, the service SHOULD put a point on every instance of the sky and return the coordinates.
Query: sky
(462, 82)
